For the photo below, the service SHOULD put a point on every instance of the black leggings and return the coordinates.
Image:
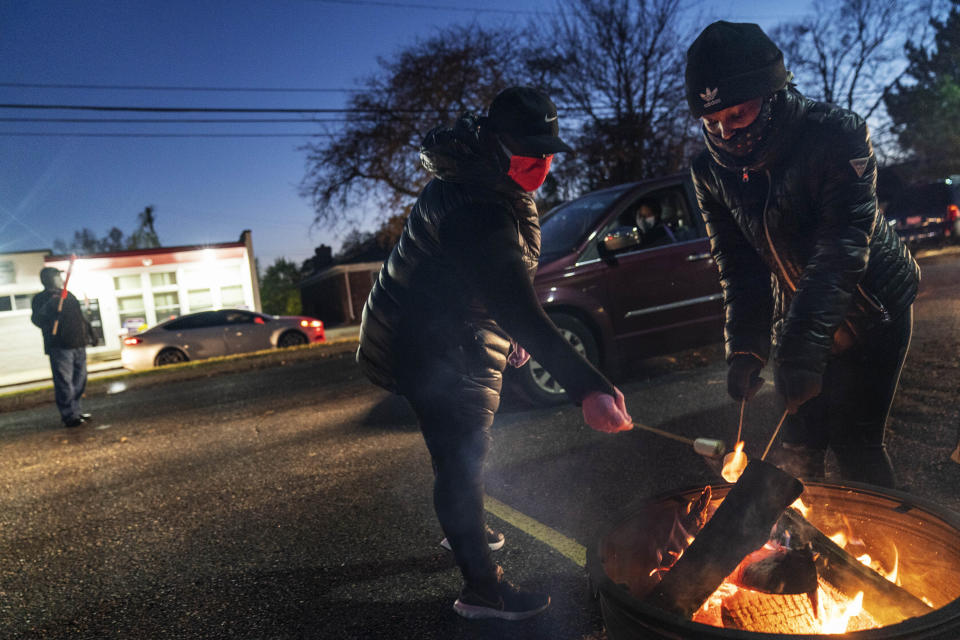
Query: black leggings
(455, 408)
(850, 415)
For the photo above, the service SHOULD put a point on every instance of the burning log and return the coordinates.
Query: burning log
(887, 602)
(741, 524)
(789, 613)
(778, 570)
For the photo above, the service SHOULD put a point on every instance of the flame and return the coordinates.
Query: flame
(894, 575)
(835, 612)
(840, 539)
(836, 621)
(734, 463)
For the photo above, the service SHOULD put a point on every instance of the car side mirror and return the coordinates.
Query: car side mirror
(619, 239)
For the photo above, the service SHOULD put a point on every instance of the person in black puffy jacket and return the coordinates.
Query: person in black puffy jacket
(454, 302)
(810, 270)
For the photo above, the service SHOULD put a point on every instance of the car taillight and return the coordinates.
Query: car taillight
(315, 324)
(953, 212)
(132, 341)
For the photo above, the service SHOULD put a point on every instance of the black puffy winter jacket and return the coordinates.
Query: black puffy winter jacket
(804, 255)
(459, 280)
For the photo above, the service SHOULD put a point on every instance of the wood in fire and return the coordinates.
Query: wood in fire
(886, 601)
(741, 525)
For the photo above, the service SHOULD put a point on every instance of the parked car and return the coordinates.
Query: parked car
(216, 333)
(927, 214)
(615, 294)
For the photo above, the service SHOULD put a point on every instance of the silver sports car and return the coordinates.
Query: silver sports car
(208, 334)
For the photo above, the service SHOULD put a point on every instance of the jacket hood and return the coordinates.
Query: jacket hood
(788, 110)
(456, 154)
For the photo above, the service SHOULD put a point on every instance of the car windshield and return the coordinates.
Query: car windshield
(566, 226)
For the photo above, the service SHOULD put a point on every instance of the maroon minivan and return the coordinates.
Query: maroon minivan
(619, 289)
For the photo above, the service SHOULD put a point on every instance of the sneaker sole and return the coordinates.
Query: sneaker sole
(475, 612)
(494, 546)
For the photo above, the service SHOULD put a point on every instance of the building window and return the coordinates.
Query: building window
(132, 313)
(129, 281)
(232, 296)
(199, 300)
(166, 279)
(5, 303)
(23, 301)
(167, 305)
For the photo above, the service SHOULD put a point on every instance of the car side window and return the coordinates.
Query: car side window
(193, 321)
(238, 317)
(672, 215)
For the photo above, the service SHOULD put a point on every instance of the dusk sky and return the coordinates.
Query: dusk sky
(203, 189)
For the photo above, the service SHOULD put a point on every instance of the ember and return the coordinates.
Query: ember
(887, 560)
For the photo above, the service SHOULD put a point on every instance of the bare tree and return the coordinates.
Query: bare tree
(373, 159)
(851, 53)
(145, 235)
(618, 68)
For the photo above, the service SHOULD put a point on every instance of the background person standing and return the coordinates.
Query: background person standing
(67, 348)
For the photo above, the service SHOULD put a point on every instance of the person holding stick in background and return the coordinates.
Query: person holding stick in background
(66, 333)
(787, 188)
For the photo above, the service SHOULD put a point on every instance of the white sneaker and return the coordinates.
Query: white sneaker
(495, 540)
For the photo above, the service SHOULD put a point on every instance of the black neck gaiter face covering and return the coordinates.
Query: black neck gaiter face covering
(744, 141)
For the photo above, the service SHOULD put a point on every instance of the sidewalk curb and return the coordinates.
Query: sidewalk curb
(103, 385)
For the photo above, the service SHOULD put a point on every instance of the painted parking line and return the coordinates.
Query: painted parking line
(567, 547)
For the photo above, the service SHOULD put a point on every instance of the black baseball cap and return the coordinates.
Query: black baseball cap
(527, 120)
(48, 275)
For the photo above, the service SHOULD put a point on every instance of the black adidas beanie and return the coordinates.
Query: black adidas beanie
(730, 63)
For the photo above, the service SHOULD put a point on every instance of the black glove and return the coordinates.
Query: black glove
(797, 385)
(743, 376)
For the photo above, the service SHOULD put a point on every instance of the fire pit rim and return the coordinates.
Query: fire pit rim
(929, 625)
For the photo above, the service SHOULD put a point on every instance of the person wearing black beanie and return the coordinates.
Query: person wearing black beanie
(812, 275)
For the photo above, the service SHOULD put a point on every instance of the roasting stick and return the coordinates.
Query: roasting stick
(703, 446)
(743, 404)
(774, 436)
(63, 295)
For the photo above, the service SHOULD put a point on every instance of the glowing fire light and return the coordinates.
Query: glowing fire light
(839, 538)
(838, 619)
(734, 463)
(833, 612)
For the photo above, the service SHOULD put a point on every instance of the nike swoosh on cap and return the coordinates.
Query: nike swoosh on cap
(549, 119)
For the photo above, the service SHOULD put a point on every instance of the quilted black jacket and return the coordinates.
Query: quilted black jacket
(804, 255)
(458, 284)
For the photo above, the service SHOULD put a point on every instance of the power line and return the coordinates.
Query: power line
(429, 7)
(80, 107)
(177, 120)
(125, 87)
(21, 134)
(371, 110)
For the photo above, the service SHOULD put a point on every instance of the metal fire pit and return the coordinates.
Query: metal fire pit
(927, 538)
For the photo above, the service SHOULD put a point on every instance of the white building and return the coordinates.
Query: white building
(19, 280)
(123, 292)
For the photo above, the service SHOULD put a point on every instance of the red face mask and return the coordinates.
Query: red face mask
(529, 173)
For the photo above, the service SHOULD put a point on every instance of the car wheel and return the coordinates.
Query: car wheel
(536, 383)
(170, 356)
(291, 339)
